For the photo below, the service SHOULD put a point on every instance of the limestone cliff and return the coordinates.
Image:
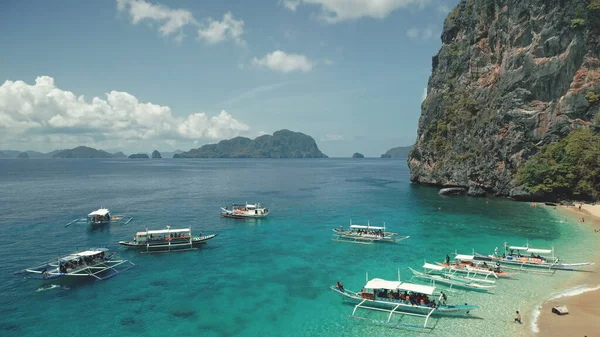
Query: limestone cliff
(511, 76)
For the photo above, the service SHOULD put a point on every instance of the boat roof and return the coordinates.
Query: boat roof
(89, 252)
(101, 212)
(378, 283)
(432, 266)
(417, 288)
(518, 248)
(539, 251)
(245, 205)
(464, 257)
(165, 231)
(365, 227)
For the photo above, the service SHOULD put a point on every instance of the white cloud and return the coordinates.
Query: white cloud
(219, 31)
(331, 137)
(328, 61)
(283, 62)
(254, 92)
(443, 9)
(291, 4)
(334, 11)
(421, 33)
(43, 113)
(424, 96)
(170, 20)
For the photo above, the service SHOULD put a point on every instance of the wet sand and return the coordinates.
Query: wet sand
(584, 303)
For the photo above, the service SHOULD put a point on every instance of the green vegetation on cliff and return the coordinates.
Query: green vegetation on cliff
(282, 144)
(567, 168)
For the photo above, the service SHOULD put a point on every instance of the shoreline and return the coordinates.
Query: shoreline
(581, 294)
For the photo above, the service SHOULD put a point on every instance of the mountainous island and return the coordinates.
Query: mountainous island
(139, 156)
(156, 154)
(282, 144)
(513, 101)
(358, 155)
(397, 152)
(82, 152)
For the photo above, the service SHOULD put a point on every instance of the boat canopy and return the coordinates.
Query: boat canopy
(90, 252)
(463, 257)
(365, 227)
(539, 251)
(165, 231)
(432, 266)
(417, 288)
(244, 205)
(378, 283)
(518, 248)
(101, 212)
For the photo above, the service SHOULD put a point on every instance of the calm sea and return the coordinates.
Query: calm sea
(257, 278)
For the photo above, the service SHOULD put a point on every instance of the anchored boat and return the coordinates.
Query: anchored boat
(94, 263)
(477, 266)
(526, 256)
(167, 240)
(402, 298)
(244, 211)
(438, 274)
(366, 234)
(101, 217)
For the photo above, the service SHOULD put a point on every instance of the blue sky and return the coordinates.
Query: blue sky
(179, 74)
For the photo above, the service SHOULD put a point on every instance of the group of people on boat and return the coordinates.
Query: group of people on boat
(64, 266)
(378, 232)
(412, 298)
(100, 218)
(533, 256)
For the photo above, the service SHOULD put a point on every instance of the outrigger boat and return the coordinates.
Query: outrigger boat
(101, 217)
(244, 211)
(532, 257)
(403, 298)
(366, 234)
(93, 263)
(470, 264)
(438, 274)
(167, 240)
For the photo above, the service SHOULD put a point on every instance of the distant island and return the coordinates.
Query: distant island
(397, 152)
(156, 154)
(119, 155)
(358, 155)
(139, 156)
(82, 152)
(282, 144)
(23, 155)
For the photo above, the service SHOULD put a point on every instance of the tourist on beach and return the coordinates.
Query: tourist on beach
(518, 318)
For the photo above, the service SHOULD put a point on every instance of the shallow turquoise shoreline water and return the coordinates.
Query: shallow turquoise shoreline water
(262, 278)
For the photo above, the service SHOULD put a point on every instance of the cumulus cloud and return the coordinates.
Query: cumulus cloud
(423, 34)
(170, 20)
(45, 113)
(173, 21)
(218, 31)
(283, 62)
(291, 4)
(334, 11)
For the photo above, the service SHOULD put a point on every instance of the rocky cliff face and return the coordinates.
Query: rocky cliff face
(511, 76)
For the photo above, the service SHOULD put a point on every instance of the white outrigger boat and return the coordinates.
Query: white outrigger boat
(366, 234)
(101, 217)
(527, 256)
(244, 211)
(167, 240)
(478, 266)
(93, 263)
(403, 298)
(439, 274)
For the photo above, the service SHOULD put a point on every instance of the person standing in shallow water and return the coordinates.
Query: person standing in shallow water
(518, 318)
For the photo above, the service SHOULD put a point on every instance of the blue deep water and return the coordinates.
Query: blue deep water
(267, 277)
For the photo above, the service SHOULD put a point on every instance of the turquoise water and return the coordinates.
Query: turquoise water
(257, 278)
